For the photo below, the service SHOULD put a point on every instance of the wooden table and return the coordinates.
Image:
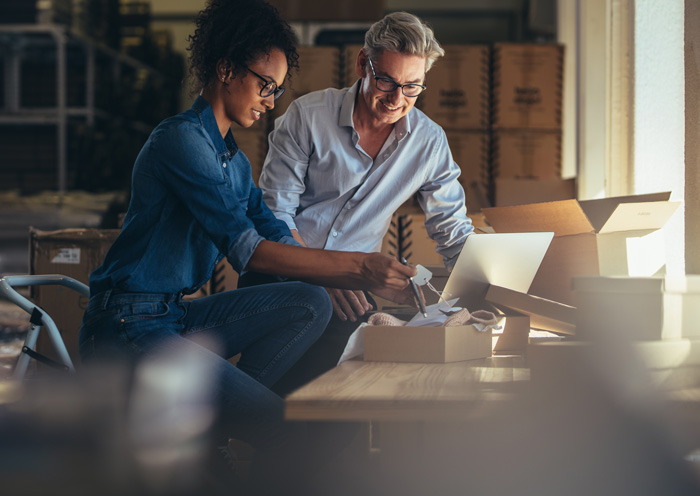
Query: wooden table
(389, 391)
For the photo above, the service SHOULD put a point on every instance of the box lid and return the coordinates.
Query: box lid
(566, 217)
(561, 217)
(599, 210)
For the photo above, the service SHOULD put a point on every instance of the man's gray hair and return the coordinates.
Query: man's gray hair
(404, 33)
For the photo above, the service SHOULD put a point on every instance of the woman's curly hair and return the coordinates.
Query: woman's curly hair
(238, 32)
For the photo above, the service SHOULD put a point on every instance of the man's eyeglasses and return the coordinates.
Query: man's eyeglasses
(270, 87)
(388, 85)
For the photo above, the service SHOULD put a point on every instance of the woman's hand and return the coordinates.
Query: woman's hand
(383, 271)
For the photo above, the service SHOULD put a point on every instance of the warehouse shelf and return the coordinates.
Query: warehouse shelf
(90, 82)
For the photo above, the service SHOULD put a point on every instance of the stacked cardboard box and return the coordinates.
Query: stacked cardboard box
(526, 122)
(73, 253)
(458, 99)
(348, 58)
(319, 68)
(252, 142)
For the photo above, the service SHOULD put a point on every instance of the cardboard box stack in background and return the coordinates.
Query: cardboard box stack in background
(73, 253)
(319, 68)
(348, 57)
(253, 142)
(526, 122)
(458, 99)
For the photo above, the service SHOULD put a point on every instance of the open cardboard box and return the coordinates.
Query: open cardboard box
(611, 236)
(510, 259)
(432, 344)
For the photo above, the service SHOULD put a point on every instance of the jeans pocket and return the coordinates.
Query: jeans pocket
(143, 310)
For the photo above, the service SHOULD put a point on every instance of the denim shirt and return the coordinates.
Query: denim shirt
(193, 201)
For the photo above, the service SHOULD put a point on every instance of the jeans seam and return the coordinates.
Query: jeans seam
(250, 314)
(286, 348)
(296, 338)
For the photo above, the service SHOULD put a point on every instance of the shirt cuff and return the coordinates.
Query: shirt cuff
(288, 240)
(242, 249)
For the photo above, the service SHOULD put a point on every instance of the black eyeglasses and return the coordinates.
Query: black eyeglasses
(388, 85)
(270, 87)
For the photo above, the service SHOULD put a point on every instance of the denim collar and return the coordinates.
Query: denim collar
(402, 126)
(223, 146)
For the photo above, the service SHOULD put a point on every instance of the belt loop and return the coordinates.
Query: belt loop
(105, 299)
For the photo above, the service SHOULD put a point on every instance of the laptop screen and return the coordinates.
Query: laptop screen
(509, 260)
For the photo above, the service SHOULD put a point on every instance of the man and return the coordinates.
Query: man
(341, 162)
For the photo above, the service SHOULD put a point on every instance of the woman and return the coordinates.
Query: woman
(193, 202)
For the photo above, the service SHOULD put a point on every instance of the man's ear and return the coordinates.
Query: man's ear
(361, 63)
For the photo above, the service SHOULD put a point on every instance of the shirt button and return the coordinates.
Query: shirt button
(224, 165)
(335, 234)
(348, 207)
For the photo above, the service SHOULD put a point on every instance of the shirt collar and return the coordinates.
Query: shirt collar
(402, 126)
(206, 116)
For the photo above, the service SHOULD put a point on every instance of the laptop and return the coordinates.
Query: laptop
(509, 260)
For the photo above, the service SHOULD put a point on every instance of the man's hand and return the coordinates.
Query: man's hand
(401, 296)
(349, 304)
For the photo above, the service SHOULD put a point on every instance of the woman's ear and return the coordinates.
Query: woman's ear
(223, 70)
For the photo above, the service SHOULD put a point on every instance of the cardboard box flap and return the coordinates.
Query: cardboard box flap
(562, 217)
(600, 210)
(639, 216)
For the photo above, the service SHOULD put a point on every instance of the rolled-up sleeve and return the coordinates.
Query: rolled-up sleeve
(284, 170)
(442, 200)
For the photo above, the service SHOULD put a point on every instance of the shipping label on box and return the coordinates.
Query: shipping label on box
(319, 68)
(591, 238)
(73, 253)
(526, 153)
(457, 97)
(527, 86)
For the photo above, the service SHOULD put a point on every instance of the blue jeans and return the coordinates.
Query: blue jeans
(270, 326)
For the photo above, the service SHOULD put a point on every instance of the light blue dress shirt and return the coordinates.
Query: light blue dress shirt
(319, 180)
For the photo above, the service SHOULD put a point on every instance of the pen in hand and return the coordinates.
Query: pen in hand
(416, 293)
